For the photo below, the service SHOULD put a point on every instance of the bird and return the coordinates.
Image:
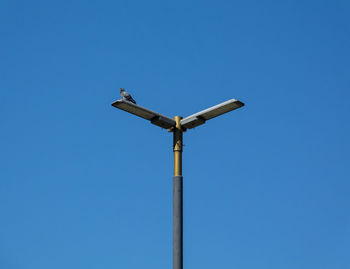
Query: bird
(126, 96)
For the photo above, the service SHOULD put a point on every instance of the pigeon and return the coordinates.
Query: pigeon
(126, 96)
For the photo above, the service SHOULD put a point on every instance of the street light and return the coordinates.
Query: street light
(178, 125)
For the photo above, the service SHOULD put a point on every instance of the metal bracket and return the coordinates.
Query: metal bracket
(162, 122)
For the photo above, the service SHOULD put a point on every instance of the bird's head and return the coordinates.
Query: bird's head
(122, 90)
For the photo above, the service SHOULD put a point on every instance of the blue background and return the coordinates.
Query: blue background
(84, 185)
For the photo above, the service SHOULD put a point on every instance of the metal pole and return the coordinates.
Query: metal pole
(177, 198)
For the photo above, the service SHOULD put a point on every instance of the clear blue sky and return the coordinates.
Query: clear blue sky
(84, 185)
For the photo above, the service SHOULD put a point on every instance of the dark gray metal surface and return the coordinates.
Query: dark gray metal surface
(177, 222)
(155, 118)
(163, 122)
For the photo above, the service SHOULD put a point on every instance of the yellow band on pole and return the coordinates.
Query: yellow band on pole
(177, 147)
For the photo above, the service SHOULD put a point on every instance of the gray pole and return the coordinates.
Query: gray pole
(177, 223)
(177, 197)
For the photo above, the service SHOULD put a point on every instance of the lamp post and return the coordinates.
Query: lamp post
(177, 126)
